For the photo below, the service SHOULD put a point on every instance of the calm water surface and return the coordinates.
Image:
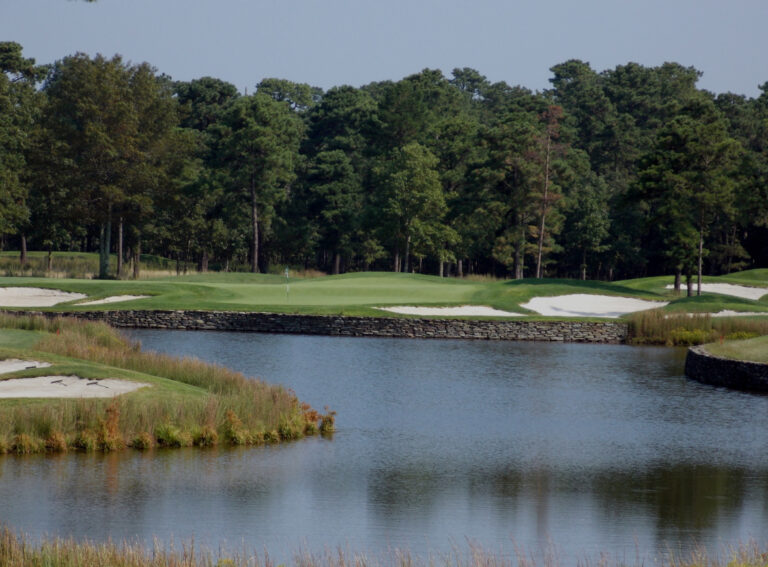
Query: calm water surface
(515, 446)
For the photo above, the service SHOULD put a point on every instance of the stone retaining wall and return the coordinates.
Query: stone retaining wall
(737, 374)
(566, 331)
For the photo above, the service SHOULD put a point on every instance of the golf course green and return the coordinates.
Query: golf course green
(360, 293)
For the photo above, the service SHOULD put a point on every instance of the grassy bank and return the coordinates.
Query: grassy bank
(189, 402)
(752, 350)
(18, 551)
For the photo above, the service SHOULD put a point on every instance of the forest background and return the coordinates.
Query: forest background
(628, 172)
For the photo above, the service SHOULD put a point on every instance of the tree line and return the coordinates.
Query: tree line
(622, 173)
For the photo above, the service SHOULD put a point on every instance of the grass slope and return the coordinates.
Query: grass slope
(753, 350)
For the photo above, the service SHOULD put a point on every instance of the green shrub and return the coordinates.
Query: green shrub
(143, 441)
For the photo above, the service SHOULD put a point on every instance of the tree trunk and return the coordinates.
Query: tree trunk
(689, 283)
(50, 260)
(701, 256)
(397, 261)
(336, 263)
(731, 247)
(23, 255)
(136, 259)
(542, 224)
(441, 269)
(584, 265)
(678, 277)
(460, 268)
(255, 228)
(120, 248)
(202, 265)
(406, 266)
(104, 246)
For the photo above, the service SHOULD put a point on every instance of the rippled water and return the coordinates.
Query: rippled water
(515, 446)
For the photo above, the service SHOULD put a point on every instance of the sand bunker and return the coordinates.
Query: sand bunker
(15, 364)
(462, 310)
(65, 387)
(587, 305)
(58, 386)
(35, 296)
(742, 291)
(113, 299)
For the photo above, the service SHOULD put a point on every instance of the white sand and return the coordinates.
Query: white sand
(742, 291)
(462, 310)
(587, 305)
(113, 299)
(65, 387)
(58, 386)
(15, 364)
(35, 296)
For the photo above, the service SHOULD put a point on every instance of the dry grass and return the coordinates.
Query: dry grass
(659, 327)
(18, 551)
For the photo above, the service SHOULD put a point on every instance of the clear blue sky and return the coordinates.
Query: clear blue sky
(334, 42)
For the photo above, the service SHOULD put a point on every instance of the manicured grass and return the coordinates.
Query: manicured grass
(189, 402)
(359, 293)
(753, 350)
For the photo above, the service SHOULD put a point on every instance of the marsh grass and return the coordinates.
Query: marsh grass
(19, 551)
(221, 407)
(664, 328)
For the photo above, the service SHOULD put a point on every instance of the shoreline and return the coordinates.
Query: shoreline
(707, 368)
(606, 332)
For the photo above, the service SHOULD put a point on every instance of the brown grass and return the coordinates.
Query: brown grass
(661, 328)
(18, 551)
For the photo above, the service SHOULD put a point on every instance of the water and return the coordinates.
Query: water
(580, 449)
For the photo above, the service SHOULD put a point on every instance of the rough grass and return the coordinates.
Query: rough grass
(753, 350)
(19, 551)
(189, 403)
(71, 264)
(680, 329)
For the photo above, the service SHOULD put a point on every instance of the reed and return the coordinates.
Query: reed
(17, 550)
(663, 328)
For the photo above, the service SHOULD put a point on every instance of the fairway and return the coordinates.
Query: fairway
(361, 293)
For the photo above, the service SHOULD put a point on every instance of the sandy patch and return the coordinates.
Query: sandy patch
(743, 291)
(35, 296)
(58, 386)
(728, 313)
(460, 311)
(65, 387)
(113, 299)
(15, 364)
(588, 305)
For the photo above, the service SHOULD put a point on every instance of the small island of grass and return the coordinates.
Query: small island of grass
(186, 402)
(750, 350)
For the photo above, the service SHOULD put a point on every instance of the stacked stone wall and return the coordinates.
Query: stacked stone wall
(564, 331)
(704, 367)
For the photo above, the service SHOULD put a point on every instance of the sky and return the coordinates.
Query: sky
(328, 43)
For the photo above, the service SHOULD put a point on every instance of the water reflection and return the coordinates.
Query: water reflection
(592, 448)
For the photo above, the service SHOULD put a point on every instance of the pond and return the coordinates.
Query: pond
(537, 448)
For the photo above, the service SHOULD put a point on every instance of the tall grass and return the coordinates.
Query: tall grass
(73, 265)
(231, 409)
(659, 327)
(19, 551)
